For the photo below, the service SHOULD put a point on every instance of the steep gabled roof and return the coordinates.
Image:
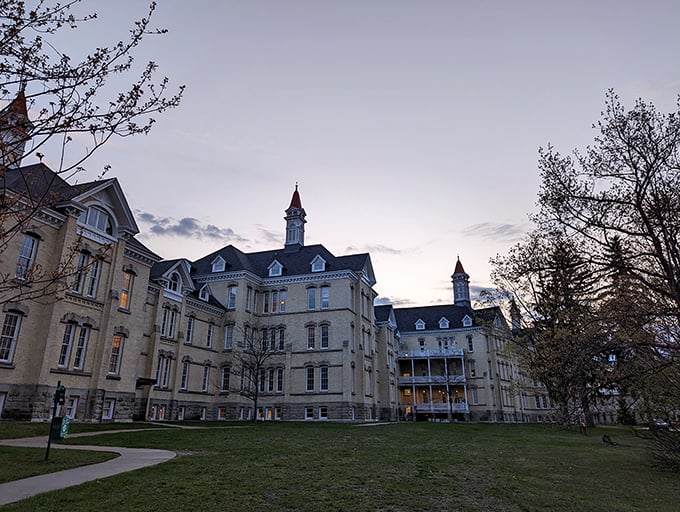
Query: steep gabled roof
(407, 317)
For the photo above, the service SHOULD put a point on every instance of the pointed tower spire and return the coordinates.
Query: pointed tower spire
(295, 223)
(461, 286)
(15, 127)
(515, 316)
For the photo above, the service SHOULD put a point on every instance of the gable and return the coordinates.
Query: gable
(109, 196)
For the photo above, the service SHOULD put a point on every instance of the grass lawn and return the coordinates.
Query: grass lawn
(397, 467)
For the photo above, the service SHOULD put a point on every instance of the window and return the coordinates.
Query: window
(318, 264)
(443, 323)
(218, 264)
(97, 218)
(467, 321)
(272, 340)
(108, 408)
(275, 301)
(265, 302)
(204, 413)
(231, 297)
(124, 299)
(209, 336)
(473, 370)
(190, 329)
(354, 379)
(72, 406)
(29, 247)
(228, 337)
(8, 338)
(249, 297)
(87, 275)
(116, 355)
(324, 335)
(323, 412)
(369, 381)
(471, 347)
(185, 376)
(81, 348)
(256, 298)
(262, 377)
(311, 337)
(421, 342)
(281, 340)
(279, 380)
(282, 301)
(163, 371)
(420, 325)
(175, 283)
(224, 379)
(310, 379)
(204, 293)
(180, 413)
(325, 297)
(270, 380)
(168, 324)
(275, 269)
(66, 343)
(323, 378)
(221, 413)
(309, 413)
(311, 298)
(206, 378)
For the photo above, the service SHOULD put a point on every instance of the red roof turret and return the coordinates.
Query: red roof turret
(295, 202)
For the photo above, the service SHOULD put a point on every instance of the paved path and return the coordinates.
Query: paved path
(129, 460)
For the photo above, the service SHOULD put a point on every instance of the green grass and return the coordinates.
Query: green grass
(16, 430)
(24, 462)
(398, 467)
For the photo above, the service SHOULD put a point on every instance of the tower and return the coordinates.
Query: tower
(295, 223)
(15, 128)
(461, 286)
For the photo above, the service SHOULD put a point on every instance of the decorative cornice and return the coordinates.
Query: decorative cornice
(203, 306)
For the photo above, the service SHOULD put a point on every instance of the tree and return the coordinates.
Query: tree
(57, 101)
(618, 204)
(252, 361)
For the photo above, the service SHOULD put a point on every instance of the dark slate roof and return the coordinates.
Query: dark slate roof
(41, 184)
(294, 263)
(161, 268)
(407, 317)
(211, 299)
(382, 312)
(140, 247)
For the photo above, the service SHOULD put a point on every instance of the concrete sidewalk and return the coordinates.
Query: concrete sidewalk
(129, 460)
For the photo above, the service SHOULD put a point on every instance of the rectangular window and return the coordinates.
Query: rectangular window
(8, 338)
(72, 407)
(471, 347)
(231, 298)
(221, 413)
(473, 370)
(108, 408)
(311, 298)
(279, 380)
(228, 337)
(256, 298)
(116, 355)
(265, 302)
(272, 339)
(93, 279)
(324, 336)
(180, 413)
(226, 373)
(190, 329)
(323, 378)
(204, 413)
(185, 376)
(209, 336)
(475, 399)
(281, 340)
(325, 297)
(275, 301)
(310, 378)
(311, 337)
(81, 272)
(249, 294)
(282, 301)
(81, 348)
(206, 378)
(66, 343)
(29, 246)
(323, 412)
(270, 380)
(126, 291)
(165, 383)
(309, 413)
(262, 380)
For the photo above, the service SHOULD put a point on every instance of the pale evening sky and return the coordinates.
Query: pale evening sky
(412, 127)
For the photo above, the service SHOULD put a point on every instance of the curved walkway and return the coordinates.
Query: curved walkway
(129, 460)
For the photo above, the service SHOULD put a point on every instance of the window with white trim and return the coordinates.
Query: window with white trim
(309, 413)
(108, 408)
(126, 290)
(467, 321)
(225, 377)
(27, 253)
(206, 378)
(420, 325)
(325, 297)
(323, 378)
(175, 283)
(323, 335)
(318, 264)
(311, 298)
(72, 406)
(323, 412)
(279, 380)
(231, 297)
(190, 329)
(228, 337)
(184, 382)
(275, 269)
(204, 293)
(98, 219)
(81, 348)
(169, 322)
(66, 344)
(309, 386)
(8, 338)
(209, 335)
(116, 355)
(218, 264)
(311, 337)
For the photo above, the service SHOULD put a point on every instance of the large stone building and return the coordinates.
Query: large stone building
(286, 334)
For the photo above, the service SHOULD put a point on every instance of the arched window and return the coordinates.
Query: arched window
(98, 219)
(175, 283)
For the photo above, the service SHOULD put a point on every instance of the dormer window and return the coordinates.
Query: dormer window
(420, 325)
(175, 283)
(318, 264)
(218, 264)
(275, 269)
(443, 323)
(467, 321)
(204, 293)
(98, 219)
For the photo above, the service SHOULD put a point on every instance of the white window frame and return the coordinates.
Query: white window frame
(66, 345)
(126, 291)
(184, 383)
(27, 254)
(81, 348)
(206, 379)
(228, 337)
(325, 295)
(108, 408)
(309, 379)
(324, 336)
(116, 354)
(225, 378)
(9, 335)
(190, 329)
(209, 335)
(323, 378)
(231, 297)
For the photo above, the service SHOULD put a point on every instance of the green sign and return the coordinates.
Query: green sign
(65, 422)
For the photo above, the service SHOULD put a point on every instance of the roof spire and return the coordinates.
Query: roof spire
(295, 223)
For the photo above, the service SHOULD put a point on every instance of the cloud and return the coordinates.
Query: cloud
(378, 248)
(187, 227)
(395, 301)
(269, 235)
(493, 231)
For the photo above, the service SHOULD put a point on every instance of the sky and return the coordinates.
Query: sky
(411, 127)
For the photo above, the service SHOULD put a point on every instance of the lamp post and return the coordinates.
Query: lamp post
(59, 399)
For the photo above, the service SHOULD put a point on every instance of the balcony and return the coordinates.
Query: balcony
(438, 408)
(437, 380)
(430, 354)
